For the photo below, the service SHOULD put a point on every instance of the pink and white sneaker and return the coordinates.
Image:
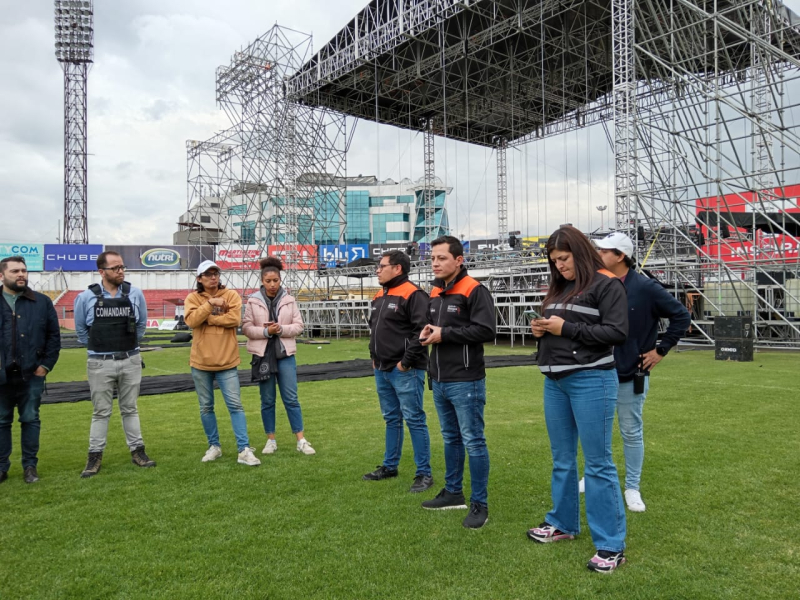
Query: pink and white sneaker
(545, 534)
(606, 561)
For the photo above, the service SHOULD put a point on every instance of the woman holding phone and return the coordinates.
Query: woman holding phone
(585, 314)
(271, 323)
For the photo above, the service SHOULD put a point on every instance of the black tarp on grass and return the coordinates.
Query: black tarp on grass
(77, 391)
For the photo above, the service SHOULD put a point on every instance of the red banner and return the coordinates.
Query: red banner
(295, 257)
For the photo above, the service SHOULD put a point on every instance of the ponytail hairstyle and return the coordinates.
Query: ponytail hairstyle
(584, 256)
(270, 263)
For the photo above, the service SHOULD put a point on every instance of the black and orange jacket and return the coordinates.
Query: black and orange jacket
(398, 316)
(464, 309)
(595, 321)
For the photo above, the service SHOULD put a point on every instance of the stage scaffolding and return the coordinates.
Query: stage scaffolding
(245, 190)
(694, 96)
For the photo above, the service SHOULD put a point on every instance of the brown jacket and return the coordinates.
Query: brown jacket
(214, 343)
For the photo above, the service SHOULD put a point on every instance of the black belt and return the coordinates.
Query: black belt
(114, 355)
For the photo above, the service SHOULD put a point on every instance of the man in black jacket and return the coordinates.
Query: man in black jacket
(399, 313)
(461, 319)
(31, 343)
(648, 302)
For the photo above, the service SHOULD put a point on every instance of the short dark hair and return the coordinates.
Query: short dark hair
(627, 260)
(270, 263)
(398, 257)
(8, 259)
(101, 258)
(455, 247)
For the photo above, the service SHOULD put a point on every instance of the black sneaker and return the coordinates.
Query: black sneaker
(140, 458)
(92, 465)
(30, 475)
(477, 517)
(380, 473)
(606, 562)
(3, 476)
(421, 483)
(444, 500)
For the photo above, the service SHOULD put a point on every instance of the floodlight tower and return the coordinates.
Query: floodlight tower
(74, 23)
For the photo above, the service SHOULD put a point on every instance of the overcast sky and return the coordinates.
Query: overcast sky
(152, 87)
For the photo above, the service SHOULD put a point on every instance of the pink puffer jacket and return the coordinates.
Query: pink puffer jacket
(256, 315)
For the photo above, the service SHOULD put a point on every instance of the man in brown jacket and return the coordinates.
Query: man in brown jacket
(213, 312)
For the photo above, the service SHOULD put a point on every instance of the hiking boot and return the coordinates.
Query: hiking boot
(92, 465)
(634, 501)
(477, 517)
(30, 475)
(246, 457)
(140, 459)
(380, 473)
(3, 476)
(545, 534)
(304, 447)
(213, 453)
(444, 500)
(606, 561)
(271, 447)
(421, 483)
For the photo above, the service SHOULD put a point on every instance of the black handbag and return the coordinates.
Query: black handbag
(259, 368)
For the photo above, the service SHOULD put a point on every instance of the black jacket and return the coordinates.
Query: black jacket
(398, 315)
(594, 322)
(30, 335)
(464, 309)
(648, 302)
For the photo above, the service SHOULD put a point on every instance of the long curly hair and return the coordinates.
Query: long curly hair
(584, 255)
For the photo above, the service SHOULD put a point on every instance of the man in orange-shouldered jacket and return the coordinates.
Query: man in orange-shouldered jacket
(461, 320)
(399, 314)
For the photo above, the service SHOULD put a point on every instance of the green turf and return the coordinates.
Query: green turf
(720, 482)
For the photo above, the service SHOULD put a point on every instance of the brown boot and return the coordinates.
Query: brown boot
(92, 465)
(140, 459)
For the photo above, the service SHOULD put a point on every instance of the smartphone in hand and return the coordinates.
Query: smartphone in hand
(532, 315)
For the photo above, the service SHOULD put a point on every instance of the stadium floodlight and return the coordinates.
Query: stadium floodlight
(74, 29)
(74, 25)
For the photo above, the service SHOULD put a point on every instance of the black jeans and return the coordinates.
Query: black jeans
(27, 397)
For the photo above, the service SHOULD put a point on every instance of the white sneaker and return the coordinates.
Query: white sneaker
(581, 486)
(246, 457)
(213, 453)
(304, 447)
(270, 448)
(634, 501)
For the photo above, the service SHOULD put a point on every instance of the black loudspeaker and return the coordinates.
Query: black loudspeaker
(733, 328)
(724, 230)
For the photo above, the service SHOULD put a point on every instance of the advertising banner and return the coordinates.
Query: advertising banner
(377, 250)
(333, 255)
(244, 258)
(160, 258)
(300, 257)
(32, 253)
(71, 257)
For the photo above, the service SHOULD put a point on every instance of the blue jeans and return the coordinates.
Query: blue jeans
(460, 406)
(27, 397)
(228, 382)
(400, 395)
(629, 411)
(581, 407)
(286, 379)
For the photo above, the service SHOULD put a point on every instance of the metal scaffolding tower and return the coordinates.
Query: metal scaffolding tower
(428, 208)
(74, 32)
(502, 191)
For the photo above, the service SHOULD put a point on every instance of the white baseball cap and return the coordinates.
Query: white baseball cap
(205, 266)
(616, 241)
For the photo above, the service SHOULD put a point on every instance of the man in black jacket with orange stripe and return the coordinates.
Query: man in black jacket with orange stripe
(461, 319)
(399, 313)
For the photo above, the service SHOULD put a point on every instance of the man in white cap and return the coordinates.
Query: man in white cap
(648, 301)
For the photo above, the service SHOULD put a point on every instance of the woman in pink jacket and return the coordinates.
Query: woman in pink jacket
(271, 323)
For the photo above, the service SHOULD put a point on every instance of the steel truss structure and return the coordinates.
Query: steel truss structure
(245, 189)
(693, 95)
(74, 29)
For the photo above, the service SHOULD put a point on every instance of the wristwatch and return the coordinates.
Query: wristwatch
(662, 350)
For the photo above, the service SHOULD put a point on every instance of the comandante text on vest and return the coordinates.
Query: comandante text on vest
(112, 311)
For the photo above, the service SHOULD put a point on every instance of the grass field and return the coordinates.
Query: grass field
(720, 482)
